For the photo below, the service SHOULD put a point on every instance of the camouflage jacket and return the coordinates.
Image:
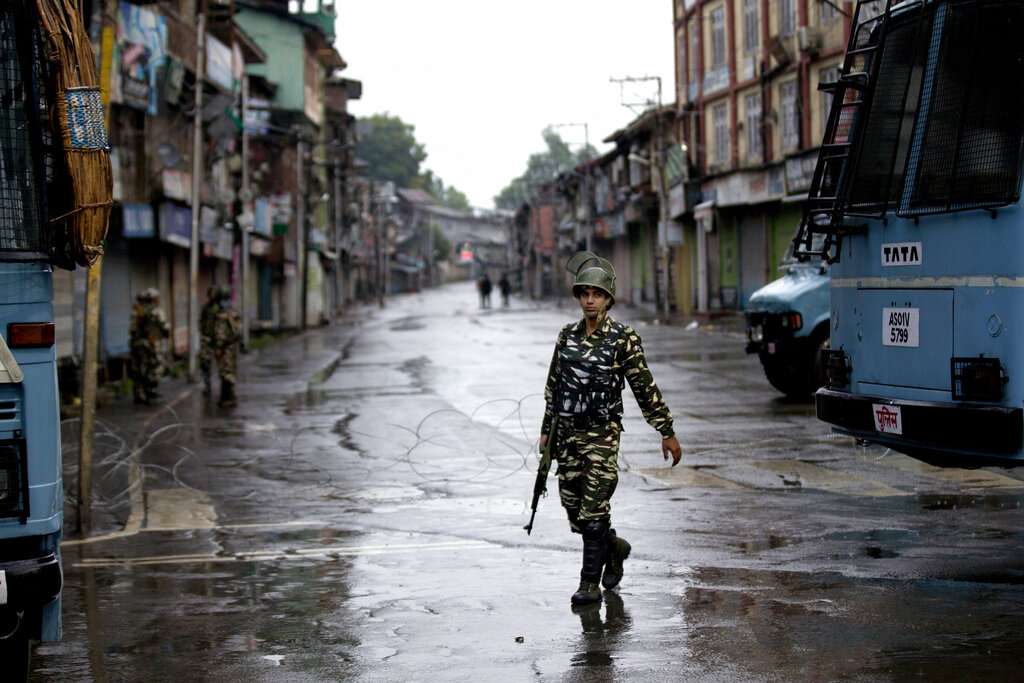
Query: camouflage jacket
(208, 320)
(227, 329)
(149, 325)
(587, 375)
(219, 325)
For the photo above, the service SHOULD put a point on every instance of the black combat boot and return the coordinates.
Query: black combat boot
(618, 551)
(227, 395)
(595, 550)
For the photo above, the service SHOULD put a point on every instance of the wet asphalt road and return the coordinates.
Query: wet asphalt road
(360, 515)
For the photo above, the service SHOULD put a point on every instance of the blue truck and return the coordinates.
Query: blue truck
(916, 202)
(788, 327)
(31, 489)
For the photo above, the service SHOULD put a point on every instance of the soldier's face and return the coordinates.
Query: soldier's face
(593, 302)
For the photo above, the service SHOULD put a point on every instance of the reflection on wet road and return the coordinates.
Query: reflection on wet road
(360, 516)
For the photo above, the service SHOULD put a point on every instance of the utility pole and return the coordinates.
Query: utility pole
(197, 171)
(338, 211)
(301, 234)
(93, 286)
(246, 196)
(659, 162)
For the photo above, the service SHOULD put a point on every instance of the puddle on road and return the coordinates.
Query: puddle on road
(878, 553)
(770, 542)
(180, 508)
(874, 536)
(387, 493)
(409, 324)
(941, 501)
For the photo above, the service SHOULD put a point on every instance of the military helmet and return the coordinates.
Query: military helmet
(220, 292)
(590, 270)
(148, 294)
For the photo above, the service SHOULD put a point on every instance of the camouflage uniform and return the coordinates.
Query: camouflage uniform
(220, 334)
(148, 328)
(584, 387)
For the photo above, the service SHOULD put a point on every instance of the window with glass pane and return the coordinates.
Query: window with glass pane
(790, 117)
(968, 154)
(752, 107)
(718, 37)
(787, 17)
(720, 115)
(827, 10)
(751, 26)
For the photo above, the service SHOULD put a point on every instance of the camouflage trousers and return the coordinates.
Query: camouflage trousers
(588, 471)
(225, 357)
(145, 370)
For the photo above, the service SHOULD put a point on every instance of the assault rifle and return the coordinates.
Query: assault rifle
(540, 486)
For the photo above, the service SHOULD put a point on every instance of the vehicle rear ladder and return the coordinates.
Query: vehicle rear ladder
(852, 95)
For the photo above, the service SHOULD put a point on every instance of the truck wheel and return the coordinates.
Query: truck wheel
(16, 655)
(786, 377)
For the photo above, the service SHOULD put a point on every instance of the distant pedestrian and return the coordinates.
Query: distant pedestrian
(220, 335)
(592, 361)
(505, 287)
(148, 330)
(485, 287)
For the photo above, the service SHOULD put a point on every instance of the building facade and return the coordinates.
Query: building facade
(749, 110)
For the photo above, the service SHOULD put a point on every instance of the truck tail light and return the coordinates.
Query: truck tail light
(30, 335)
(977, 379)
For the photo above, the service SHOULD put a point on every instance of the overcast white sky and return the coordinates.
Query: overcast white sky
(480, 79)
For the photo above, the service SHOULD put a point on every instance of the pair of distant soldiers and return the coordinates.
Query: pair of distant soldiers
(219, 337)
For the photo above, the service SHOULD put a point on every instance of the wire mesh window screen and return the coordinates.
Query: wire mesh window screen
(970, 153)
(22, 175)
(878, 177)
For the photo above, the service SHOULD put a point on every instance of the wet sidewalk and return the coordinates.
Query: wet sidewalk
(128, 435)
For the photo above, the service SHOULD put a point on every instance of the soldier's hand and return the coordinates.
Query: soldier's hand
(671, 445)
(543, 441)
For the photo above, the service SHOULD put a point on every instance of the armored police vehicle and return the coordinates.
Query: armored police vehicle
(916, 202)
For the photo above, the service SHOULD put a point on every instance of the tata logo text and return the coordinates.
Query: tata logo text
(901, 254)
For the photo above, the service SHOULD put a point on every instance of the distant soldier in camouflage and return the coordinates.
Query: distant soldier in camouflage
(219, 336)
(592, 361)
(148, 330)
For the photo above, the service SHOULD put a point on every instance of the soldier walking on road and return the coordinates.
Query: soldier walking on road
(220, 334)
(505, 287)
(593, 359)
(148, 330)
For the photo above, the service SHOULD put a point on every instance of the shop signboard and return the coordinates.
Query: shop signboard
(219, 68)
(142, 50)
(261, 218)
(138, 221)
(800, 171)
(176, 224)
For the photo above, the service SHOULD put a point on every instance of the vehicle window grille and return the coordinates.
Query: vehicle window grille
(23, 171)
(878, 176)
(970, 151)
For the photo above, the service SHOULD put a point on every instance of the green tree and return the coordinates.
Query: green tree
(388, 145)
(542, 167)
(446, 195)
(442, 247)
